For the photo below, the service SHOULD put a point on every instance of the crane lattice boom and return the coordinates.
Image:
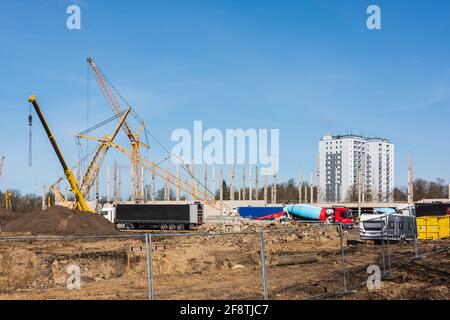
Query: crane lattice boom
(134, 137)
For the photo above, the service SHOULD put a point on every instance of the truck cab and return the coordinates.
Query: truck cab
(344, 216)
(397, 226)
(109, 212)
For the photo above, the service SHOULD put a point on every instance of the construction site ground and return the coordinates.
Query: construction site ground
(303, 261)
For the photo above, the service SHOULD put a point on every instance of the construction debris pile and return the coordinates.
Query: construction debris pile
(56, 221)
(250, 226)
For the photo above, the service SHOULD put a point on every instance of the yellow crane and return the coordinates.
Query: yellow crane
(96, 163)
(137, 161)
(93, 169)
(188, 187)
(80, 202)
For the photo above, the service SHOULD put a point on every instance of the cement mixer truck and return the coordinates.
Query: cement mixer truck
(308, 212)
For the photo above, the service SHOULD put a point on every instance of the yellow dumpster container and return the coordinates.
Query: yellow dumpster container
(433, 227)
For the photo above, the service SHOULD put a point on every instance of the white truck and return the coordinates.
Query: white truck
(393, 225)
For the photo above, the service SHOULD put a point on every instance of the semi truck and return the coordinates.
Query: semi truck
(135, 216)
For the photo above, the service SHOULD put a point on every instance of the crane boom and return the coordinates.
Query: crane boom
(80, 202)
(109, 95)
(186, 186)
(99, 157)
(134, 137)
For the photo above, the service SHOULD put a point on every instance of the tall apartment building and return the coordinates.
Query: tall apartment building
(343, 158)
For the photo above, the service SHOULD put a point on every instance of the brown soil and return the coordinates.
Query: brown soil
(300, 265)
(56, 221)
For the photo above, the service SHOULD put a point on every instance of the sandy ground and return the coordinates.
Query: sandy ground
(300, 264)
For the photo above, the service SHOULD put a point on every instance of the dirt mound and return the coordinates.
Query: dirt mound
(6, 216)
(57, 221)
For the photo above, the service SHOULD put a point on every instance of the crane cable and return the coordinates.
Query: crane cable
(136, 116)
(100, 124)
(30, 125)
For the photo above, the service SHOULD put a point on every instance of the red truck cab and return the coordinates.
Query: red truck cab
(344, 216)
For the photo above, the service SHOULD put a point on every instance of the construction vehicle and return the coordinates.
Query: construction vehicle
(8, 200)
(341, 215)
(134, 154)
(395, 227)
(164, 216)
(93, 169)
(80, 202)
(108, 91)
(203, 196)
(95, 165)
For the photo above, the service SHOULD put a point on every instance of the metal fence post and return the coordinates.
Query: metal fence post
(152, 282)
(382, 246)
(344, 278)
(414, 222)
(149, 253)
(263, 264)
(388, 250)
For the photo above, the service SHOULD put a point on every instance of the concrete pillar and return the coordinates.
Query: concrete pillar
(274, 198)
(306, 191)
(244, 186)
(142, 182)
(250, 179)
(205, 179)
(265, 188)
(119, 184)
(221, 184)
(177, 196)
(257, 183)
(107, 184)
(410, 181)
(115, 181)
(318, 180)
(232, 182)
(300, 187)
(153, 184)
(213, 180)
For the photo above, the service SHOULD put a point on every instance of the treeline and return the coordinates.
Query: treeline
(21, 203)
(423, 189)
(287, 192)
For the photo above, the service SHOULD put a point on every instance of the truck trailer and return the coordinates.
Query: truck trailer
(135, 216)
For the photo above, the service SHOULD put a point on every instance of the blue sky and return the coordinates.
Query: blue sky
(305, 67)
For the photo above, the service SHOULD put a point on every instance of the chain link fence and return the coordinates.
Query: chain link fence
(206, 266)
(309, 261)
(305, 263)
